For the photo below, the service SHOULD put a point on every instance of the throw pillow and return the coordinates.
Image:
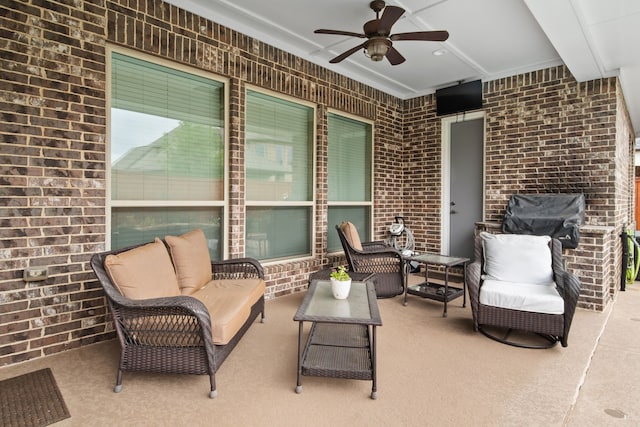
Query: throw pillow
(351, 233)
(191, 259)
(143, 272)
(517, 258)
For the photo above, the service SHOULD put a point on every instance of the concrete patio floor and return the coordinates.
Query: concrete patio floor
(432, 371)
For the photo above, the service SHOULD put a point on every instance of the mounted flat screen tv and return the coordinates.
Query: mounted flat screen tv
(462, 97)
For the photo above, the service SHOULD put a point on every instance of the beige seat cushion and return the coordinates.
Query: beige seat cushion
(351, 233)
(229, 303)
(191, 259)
(143, 272)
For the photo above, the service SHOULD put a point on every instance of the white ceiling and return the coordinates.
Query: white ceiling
(488, 39)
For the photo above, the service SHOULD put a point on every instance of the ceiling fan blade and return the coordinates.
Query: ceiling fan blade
(394, 56)
(340, 33)
(389, 17)
(348, 53)
(433, 36)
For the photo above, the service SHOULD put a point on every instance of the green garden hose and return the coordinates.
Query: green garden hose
(633, 260)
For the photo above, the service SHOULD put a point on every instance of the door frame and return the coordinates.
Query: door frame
(445, 185)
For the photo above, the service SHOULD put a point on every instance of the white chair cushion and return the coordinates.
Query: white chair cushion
(517, 258)
(522, 296)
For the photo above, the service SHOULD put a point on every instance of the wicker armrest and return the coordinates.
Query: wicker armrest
(171, 321)
(239, 268)
(473, 277)
(473, 273)
(378, 261)
(569, 289)
(567, 283)
(181, 304)
(379, 252)
(376, 245)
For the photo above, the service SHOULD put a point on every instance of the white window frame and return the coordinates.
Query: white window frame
(370, 203)
(110, 204)
(279, 203)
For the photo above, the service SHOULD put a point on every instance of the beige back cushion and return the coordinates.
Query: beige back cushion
(143, 272)
(351, 233)
(191, 259)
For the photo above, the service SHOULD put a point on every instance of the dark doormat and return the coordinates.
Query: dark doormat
(31, 400)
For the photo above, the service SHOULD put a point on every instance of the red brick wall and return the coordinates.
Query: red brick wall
(547, 133)
(422, 172)
(52, 189)
(53, 145)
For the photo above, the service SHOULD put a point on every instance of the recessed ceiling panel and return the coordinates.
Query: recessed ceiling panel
(597, 12)
(498, 35)
(613, 31)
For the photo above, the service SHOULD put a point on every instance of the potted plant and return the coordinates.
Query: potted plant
(340, 282)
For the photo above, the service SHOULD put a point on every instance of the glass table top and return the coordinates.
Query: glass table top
(431, 258)
(319, 305)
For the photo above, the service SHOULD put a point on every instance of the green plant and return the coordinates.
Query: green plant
(340, 273)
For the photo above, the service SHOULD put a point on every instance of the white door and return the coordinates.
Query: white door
(463, 182)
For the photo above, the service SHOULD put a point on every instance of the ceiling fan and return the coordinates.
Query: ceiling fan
(379, 41)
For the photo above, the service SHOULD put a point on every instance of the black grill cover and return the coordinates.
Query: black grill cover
(555, 215)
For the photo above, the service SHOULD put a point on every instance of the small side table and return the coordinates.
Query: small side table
(436, 291)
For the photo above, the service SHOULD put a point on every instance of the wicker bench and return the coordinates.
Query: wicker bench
(174, 314)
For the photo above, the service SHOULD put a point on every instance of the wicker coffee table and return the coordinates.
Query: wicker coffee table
(342, 340)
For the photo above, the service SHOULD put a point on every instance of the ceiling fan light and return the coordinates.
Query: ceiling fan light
(377, 50)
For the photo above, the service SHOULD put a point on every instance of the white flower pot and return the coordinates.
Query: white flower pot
(340, 288)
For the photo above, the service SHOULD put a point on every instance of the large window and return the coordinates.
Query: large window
(350, 177)
(279, 177)
(167, 153)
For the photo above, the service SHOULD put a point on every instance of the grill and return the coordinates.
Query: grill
(555, 215)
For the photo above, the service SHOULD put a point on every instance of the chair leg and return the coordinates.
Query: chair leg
(213, 393)
(118, 387)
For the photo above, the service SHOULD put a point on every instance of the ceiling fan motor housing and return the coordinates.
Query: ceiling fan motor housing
(377, 5)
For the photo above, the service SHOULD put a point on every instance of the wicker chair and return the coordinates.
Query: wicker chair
(552, 327)
(377, 257)
(172, 334)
